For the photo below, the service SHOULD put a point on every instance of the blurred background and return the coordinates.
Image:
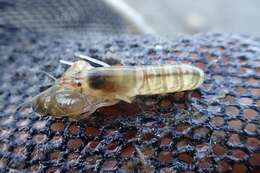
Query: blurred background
(170, 17)
(166, 18)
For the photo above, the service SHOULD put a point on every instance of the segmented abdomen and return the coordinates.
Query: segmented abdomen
(169, 78)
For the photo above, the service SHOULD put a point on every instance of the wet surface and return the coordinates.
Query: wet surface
(213, 129)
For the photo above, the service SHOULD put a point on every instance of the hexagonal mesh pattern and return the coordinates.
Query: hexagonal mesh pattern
(216, 130)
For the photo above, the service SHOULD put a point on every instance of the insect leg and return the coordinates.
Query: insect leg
(140, 103)
(48, 74)
(66, 62)
(141, 156)
(92, 60)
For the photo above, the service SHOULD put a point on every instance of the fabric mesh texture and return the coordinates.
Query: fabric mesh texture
(215, 128)
(62, 16)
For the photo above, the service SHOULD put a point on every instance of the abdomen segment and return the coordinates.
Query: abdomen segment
(170, 78)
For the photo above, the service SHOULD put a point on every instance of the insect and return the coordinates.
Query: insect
(83, 88)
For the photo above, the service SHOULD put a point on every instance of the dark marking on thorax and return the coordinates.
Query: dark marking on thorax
(96, 81)
(101, 80)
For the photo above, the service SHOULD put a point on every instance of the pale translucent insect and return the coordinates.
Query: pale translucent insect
(83, 88)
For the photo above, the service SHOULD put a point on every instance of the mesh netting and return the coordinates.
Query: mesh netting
(216, 130)
(85, 16)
